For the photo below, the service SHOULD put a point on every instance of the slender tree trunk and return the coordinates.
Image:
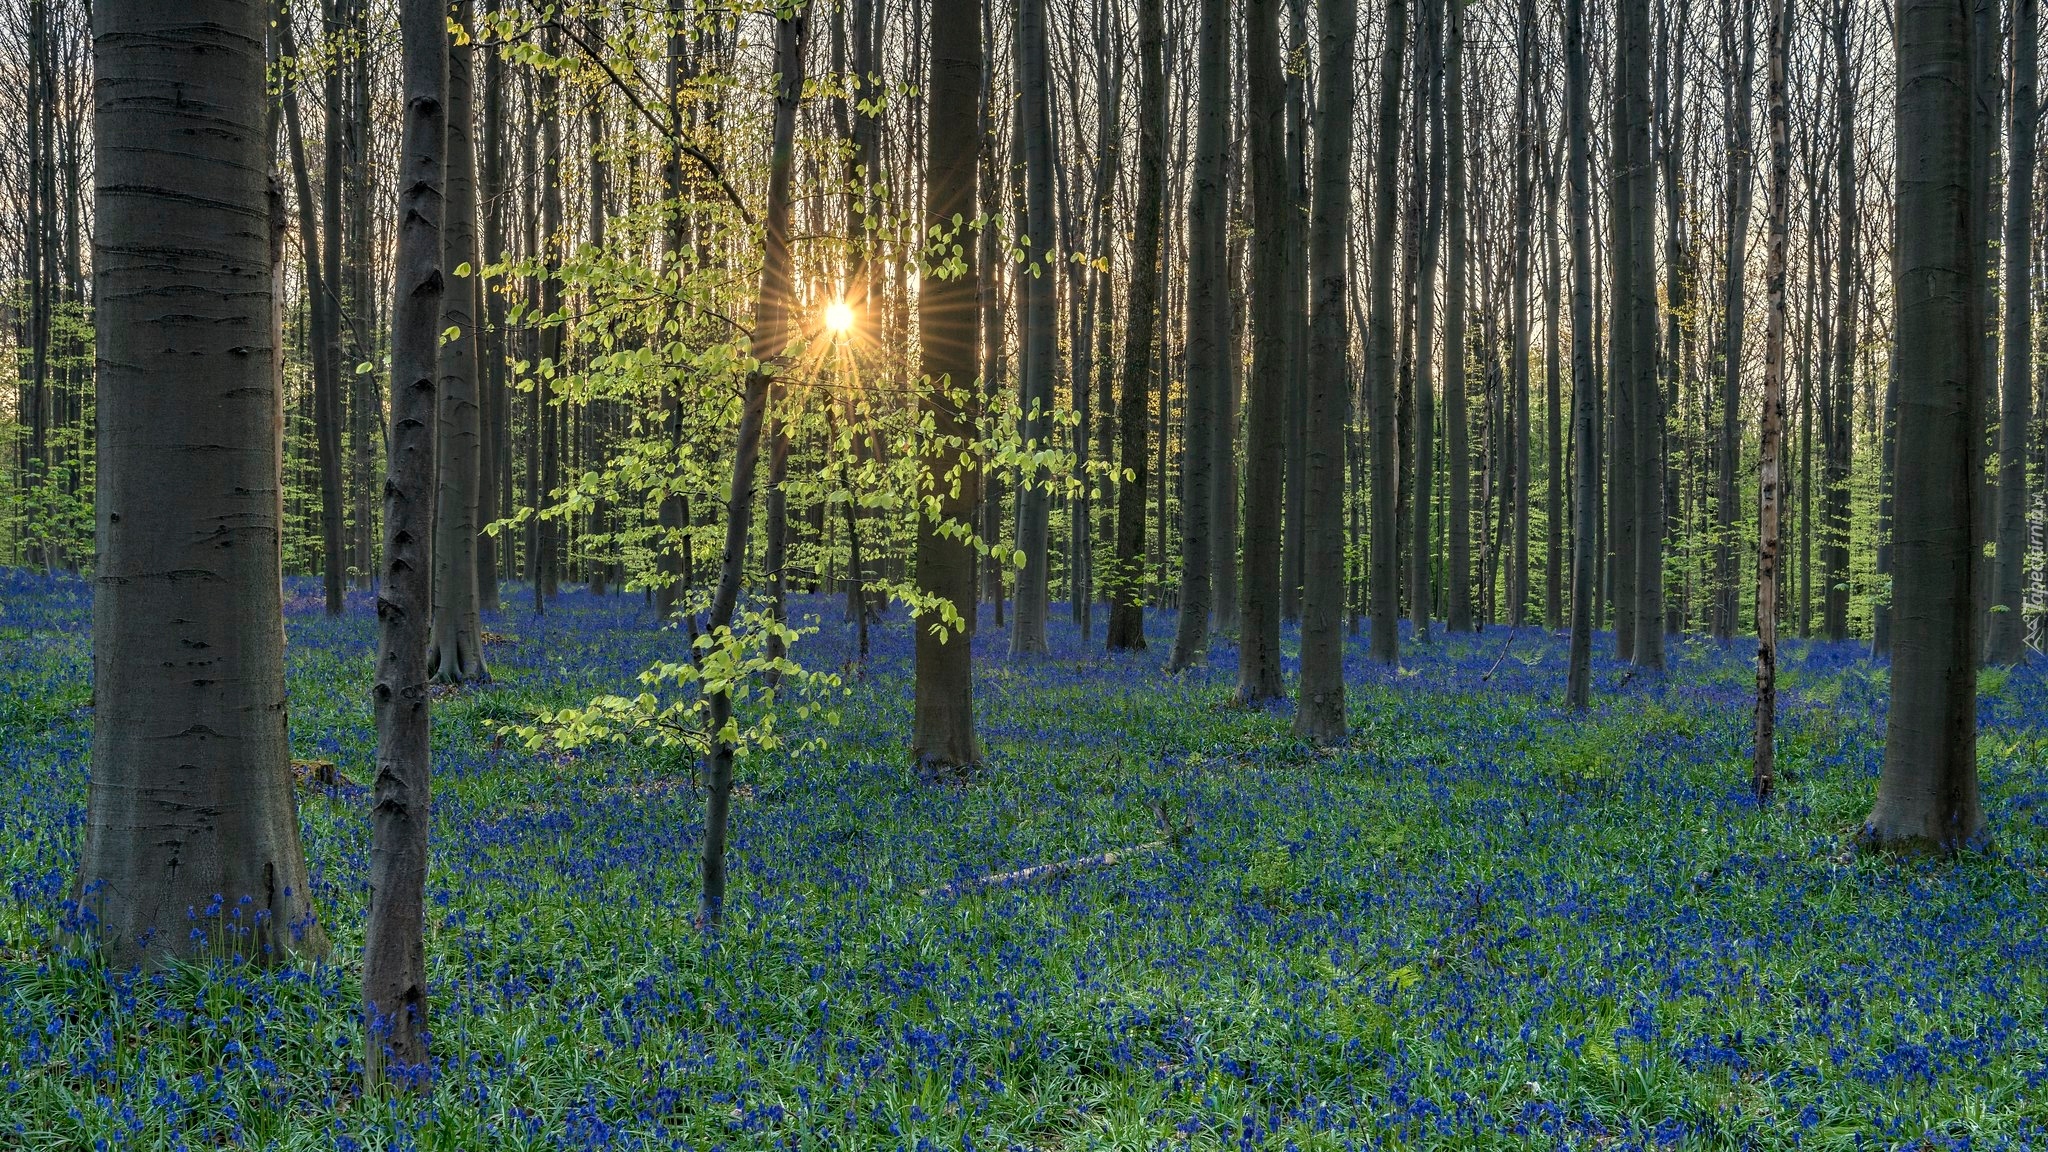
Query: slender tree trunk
(1429, 105)
(1585, 397)
(769, 343)
(1319, 712)
(1734, 305)
(394, 938)
(1127, 608)
(1623, 389)
(326, 404)
(493, 553)
(2007, 643)
(1770, 490)
(190, 805)
(943, 743)
(1458, 579)
(1839, 383)
(1258, 646)
(1039, 338)
(1386, 609)
(455, 650)
(1208, 333)
(1644, 378)
(1927, 791)
(1516, 490)
(1295, 287)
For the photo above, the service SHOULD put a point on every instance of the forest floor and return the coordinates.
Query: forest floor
(1482, 924)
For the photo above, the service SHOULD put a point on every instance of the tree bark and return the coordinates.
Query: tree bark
(455, 650)
(1258, 648)
(1429, 108)
(1734, 305)
(1585, 397)
(769, 343)
(1458, 548)
(943, 744)
(1319, 712)
(2007, 642)
(1127, 600)
(1386, 588)
(1039, 338)
(1208, 334)
(1927, 791)
(190, 809)
(1770, 488)
(394, 940)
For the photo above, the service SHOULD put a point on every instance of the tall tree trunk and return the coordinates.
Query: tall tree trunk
(492, 551)
(1429, 132)
(394, 936)
(326, 405)
(1258, 646)
(770, 342)
(1838, 384)
(1039, 338)
(1644, 378)
(1585, 396)
(1526, 149)
(455, 650)
(943, 742)
(1208, 333)
(1927, 791)
(2007, 643)
(1127, 607)
(1386, 588)
(1295, 288)
(1734, 303)
(546, 411)
(1770, 489)
(1623, 391)
(1319, 713)
(1458, 548)
(190, 805)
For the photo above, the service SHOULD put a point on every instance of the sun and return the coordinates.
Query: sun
(839, 317)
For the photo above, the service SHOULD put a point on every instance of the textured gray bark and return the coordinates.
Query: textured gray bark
(2007, 632)
(1429, 106)
(1770, 486)
(1458, 546)
(1208, 333)
(1294, 288)
(191, 843)
(1734, 306)
(394, 942)
(1319, 711)
(1927, 791)
(1517, 461)
(1837, 383)
(1585, 397)
(455, 650)
(943, 743)
(492, 552)
(1642, 315)
(1621, 440)
(1258, 645)
(1127, 597)
(1385, 569)
(1039, 336)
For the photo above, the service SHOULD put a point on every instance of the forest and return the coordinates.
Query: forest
(1023, 574)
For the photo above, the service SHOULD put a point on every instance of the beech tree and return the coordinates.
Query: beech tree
(1927, 791)
(1319, 714)
(191, 841)
(943, 742)
(394, 940)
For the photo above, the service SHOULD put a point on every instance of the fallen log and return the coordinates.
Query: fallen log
(1045, 871)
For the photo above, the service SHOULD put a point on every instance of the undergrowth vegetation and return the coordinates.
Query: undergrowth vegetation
(1482, 924)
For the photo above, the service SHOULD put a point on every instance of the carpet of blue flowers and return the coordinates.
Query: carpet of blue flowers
(1484, 924)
